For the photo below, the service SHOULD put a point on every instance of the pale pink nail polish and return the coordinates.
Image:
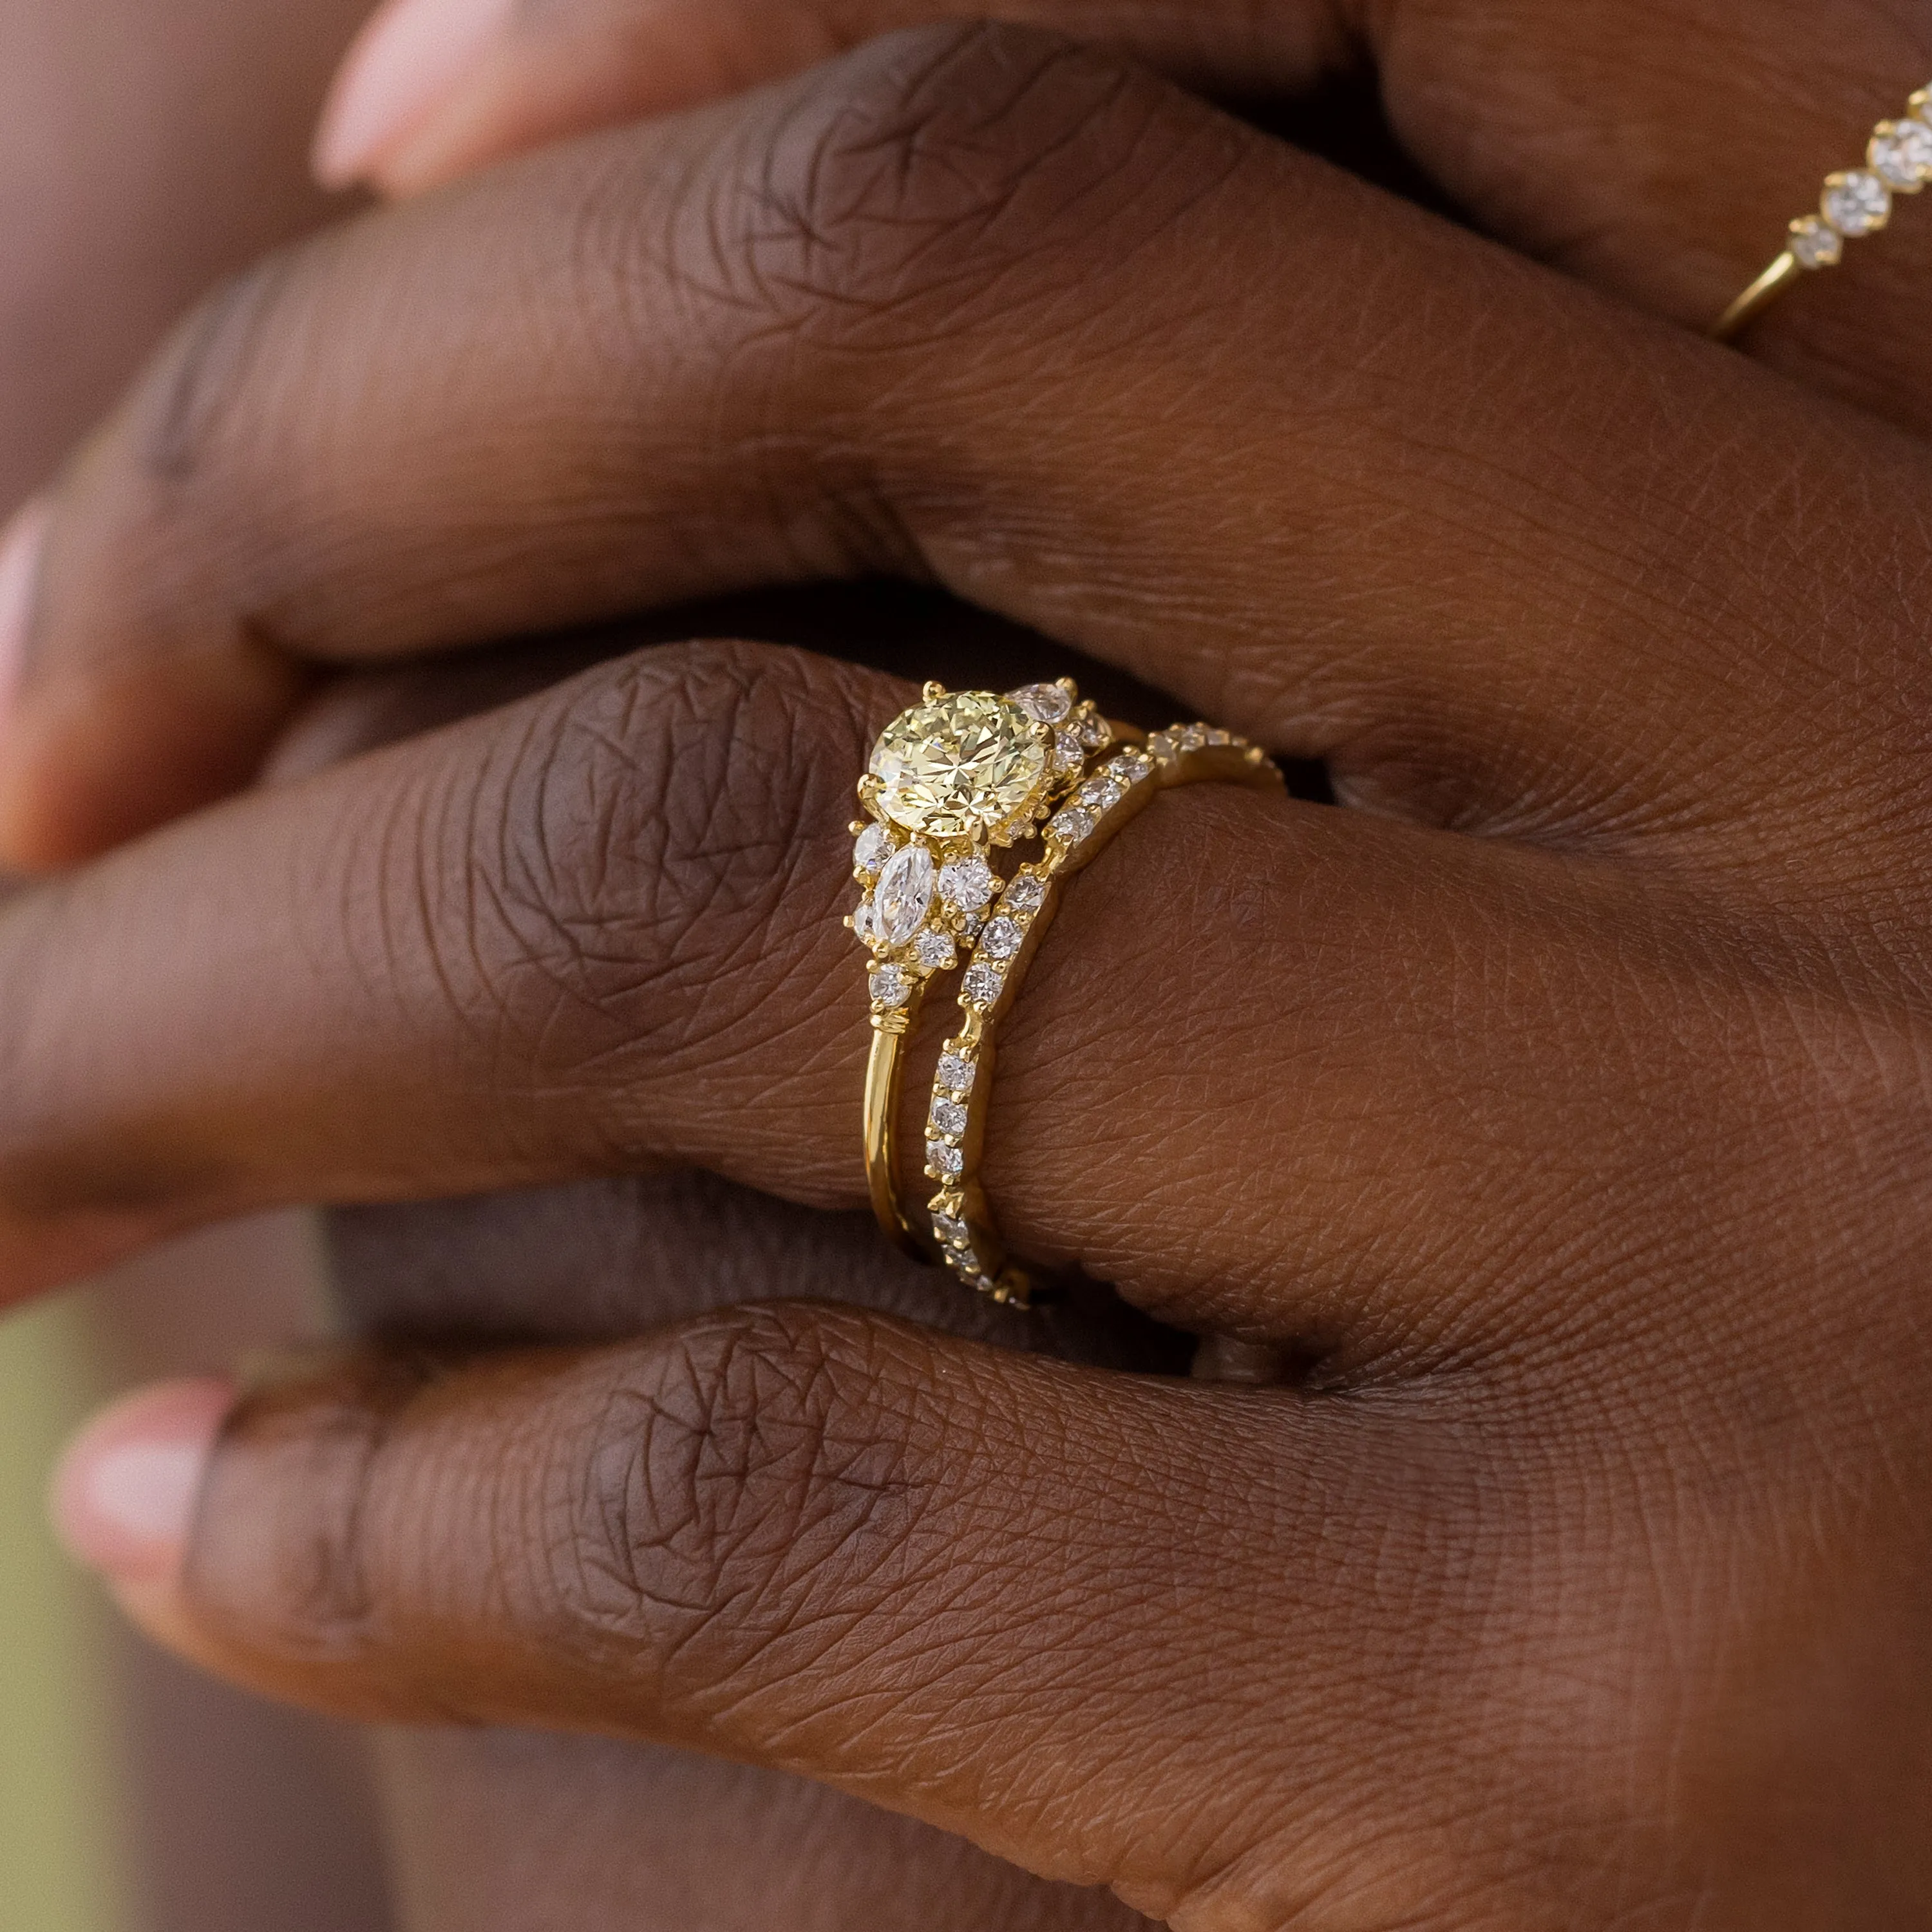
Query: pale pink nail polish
(123, 1498)
(405, 62)
(20, 546)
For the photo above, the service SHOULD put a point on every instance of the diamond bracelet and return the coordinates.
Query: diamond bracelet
(1855, 202)
(1003, 948)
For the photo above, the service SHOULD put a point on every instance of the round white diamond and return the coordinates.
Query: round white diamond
(870, 849)
(948, 1117)
(905, 891)
(1072, 825)
(1047, 704)
(982, 983)
(1095, 731)
(945, 1159)
(950, 1230)
(966, 883)
(1069, 754)
(1026, 892)
(955, 1071)
(934, 950)
(1856, 203)
(889, 986)
(1192, 737)
(1101, 792)
(1218, 737)
(1901, 153)
(1002, 938)
(862, 920)
(1815, 243)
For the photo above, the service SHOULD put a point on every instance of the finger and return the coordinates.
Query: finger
(838, 1545)
(434, 89)
(600, 930)
(1667, 181)
(1038, 353)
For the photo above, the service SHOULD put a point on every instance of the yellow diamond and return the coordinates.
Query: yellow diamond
(958, 764)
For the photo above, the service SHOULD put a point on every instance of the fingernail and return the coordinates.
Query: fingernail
(123, 1498)
(410, 58)
(20, 546)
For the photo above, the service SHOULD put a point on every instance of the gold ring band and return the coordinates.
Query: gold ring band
(1855, 202)
(958, 775)
(1109, 798)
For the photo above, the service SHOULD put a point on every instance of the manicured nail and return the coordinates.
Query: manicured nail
(124, 1497)
(408, 59)
(20, 546)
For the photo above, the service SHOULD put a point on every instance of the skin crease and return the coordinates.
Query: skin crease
(1880, 1903)
(520, 1832)
(199, 114)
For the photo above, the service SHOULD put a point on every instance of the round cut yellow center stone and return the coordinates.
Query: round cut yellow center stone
(955, 764)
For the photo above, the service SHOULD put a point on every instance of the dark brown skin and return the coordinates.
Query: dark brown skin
(1579, 1163)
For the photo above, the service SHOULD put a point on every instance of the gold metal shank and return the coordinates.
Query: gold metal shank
(1114, 792)
(949, 779)
(1855, 202)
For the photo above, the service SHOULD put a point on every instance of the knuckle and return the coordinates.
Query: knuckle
(296, 1554)
(665, 844)
(745, 1487)
(944, 175)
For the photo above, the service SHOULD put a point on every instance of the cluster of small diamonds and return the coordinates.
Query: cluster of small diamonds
(968, 1250)
(919, 909)
(916, 914)
(1858, 202)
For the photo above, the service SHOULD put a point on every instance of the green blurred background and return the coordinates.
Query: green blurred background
(137, 1795)
(60, 1868)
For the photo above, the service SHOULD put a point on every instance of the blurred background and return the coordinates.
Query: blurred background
(148, 148)
(135, 1796)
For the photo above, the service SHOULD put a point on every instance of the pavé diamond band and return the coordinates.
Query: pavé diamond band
(1114, 792)
(958, 776)
(1855, 202)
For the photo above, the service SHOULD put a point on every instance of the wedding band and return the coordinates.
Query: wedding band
(1856, 202)
(958, 776)
(1003, 947)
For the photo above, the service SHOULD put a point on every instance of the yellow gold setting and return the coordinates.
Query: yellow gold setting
(1854, 202)
(957, 776)
(1112, 793)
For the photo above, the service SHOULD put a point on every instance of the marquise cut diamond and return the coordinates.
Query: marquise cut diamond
(904, 892)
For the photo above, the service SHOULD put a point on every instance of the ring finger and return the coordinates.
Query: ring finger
(975, 304)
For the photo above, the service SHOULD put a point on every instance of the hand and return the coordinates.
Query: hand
(1664, 181)
(1562, 1118)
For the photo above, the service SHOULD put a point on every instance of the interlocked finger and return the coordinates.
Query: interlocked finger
(976, 303)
